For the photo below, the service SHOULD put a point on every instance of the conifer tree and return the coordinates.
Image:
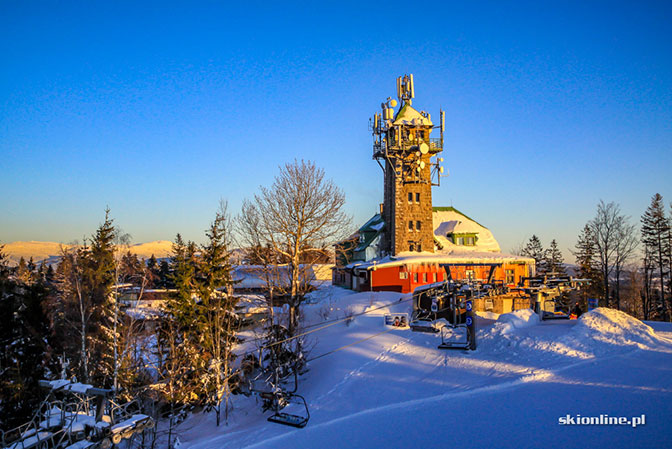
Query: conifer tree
(24, 356)
(217, 320)
(100, 282)
(585, 254)
(153, 277)
(553, 260)
(535, 250)
(655, 231)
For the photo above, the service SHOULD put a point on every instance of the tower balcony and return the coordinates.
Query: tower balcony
(381, 148)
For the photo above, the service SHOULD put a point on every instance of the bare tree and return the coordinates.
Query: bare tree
(605, 228)
(626, 244)
(299, 216)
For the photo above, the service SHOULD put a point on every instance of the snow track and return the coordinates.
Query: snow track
(398, 390)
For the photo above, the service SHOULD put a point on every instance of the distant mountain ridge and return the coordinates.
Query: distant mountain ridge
(50, 251)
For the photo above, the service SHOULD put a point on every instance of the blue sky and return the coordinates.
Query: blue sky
(159, 110)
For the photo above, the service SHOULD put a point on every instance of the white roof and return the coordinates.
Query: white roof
(454, 257)
(450, 221)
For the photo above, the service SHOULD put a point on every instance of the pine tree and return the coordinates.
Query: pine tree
(101, 279)
(585, 253)
(553, 260)
(24, 357)
(535, 250)
(216, 317)
(152, 272)
(22, 272)
(655, 230)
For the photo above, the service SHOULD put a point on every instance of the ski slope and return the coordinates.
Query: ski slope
(398, 390)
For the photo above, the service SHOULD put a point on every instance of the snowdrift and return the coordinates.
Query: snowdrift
(615, 327)
(508, 322)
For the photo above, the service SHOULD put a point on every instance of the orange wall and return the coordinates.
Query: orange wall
(387, 279)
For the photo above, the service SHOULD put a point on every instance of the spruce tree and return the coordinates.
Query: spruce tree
(101, 279)
(24, 357)
(585, 254)
(535, 250)
(153, 272)
(553, 260)
(655, 230)
(216, 317)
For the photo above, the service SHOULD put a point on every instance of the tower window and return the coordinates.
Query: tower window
(415, 277)
(424, 277)
(418, 224)
(411, 247)
(410, 197)
(410, 225)
(419, 248)
(417, 197)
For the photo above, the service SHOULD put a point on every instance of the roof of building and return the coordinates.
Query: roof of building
(409, 116)
(448, 220)
(370, 231)
(462, 258)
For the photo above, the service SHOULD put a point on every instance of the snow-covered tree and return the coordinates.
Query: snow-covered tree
(25, 347)
(217, 321)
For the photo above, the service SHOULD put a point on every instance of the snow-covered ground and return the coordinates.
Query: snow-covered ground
(398, 390)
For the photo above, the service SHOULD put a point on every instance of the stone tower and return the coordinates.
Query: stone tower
(403, 147)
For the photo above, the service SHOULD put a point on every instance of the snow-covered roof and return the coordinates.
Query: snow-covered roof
(448, 220)
(409, 116)
(439, 257)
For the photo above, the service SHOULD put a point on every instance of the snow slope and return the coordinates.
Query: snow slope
(398, 390)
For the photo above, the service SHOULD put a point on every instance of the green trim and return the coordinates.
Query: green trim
(452, 209)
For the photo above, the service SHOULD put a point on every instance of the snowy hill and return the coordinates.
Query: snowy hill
(397, 390)
(50, 251)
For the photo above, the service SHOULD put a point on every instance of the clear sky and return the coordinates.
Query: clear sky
(160, 109)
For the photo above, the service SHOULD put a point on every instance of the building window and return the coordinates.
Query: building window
(417, 197)
(410, 197)
(469, 241)
(410, 225)
(510, 276)
(411, 247)
(417, 225)
(403, 275)
(470, 275)
(424, 278)
(419, 248)
(434, 277)
(415, 277)
(460, 241)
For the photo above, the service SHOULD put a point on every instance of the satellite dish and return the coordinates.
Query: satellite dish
(424, 148)
(393, 102)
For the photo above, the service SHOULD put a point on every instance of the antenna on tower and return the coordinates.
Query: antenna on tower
(405, 90)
